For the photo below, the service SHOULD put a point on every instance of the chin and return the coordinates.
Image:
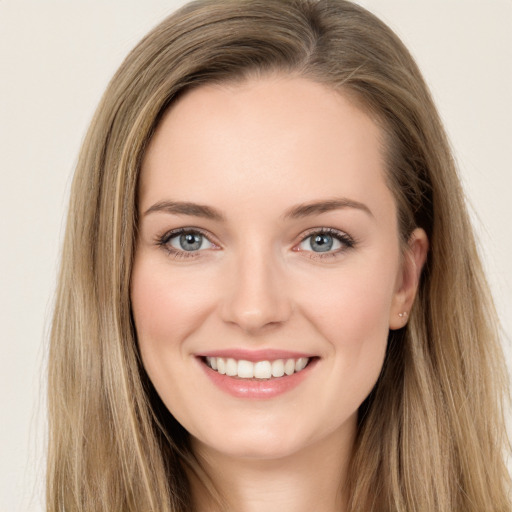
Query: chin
(256, 447)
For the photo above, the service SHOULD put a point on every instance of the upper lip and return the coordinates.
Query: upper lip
(269, 354)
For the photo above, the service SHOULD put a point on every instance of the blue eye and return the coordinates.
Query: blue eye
(321, 242)
(326, 241)
(189, 241)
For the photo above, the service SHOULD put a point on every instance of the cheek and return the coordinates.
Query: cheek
(354, 305)
(167, 309)
(352, 315)
(165, 305)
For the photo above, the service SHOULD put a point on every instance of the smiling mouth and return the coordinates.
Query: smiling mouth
(261, 370)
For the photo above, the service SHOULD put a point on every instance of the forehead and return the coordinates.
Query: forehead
(286, 138)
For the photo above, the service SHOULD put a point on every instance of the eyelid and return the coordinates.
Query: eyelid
(175, 241)
(344, 238)
(163, 241)
(188, 229)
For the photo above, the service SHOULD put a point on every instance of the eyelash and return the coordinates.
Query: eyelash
(347, 242)
(163, 241)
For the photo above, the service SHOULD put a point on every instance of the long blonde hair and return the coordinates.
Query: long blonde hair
(431, 434)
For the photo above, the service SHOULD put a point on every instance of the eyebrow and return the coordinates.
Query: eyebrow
(316, 207)
(186, 208)
(296, 212)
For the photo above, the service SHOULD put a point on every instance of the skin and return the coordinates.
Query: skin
(253, 151)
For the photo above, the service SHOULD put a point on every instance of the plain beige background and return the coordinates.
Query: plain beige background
(56, 58)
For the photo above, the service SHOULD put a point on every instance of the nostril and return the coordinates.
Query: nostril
(253, 320)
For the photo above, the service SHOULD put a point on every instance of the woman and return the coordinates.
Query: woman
(270, 296)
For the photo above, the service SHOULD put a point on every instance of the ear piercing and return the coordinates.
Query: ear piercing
(402, 315)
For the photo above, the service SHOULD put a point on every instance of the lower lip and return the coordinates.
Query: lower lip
(256, 388)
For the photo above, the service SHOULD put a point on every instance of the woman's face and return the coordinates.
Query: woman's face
(268, 240)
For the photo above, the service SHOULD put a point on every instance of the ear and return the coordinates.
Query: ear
(408, 278)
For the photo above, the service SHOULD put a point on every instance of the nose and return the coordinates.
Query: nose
(255, 293)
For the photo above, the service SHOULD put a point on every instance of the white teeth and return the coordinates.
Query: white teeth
(221, 365)
(245, 369)
(289, 367)
(301, 363)
(259, 370)
(278, 368)
(263, 370)
(231, 367)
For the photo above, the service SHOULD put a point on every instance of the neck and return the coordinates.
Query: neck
(312, 479)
